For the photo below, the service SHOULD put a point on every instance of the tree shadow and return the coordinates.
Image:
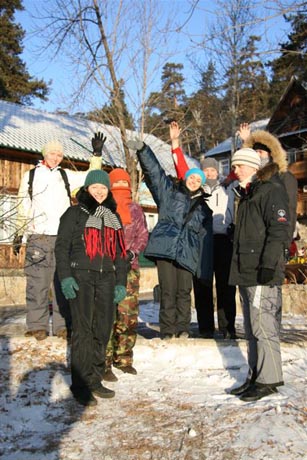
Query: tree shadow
(234, 361)
(37, 408)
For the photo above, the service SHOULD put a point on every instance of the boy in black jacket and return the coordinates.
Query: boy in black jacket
(258, 262)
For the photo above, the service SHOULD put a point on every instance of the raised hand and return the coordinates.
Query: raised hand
(97, 143)
(244, 131)
(174, 132)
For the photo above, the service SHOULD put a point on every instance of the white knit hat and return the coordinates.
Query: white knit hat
(246, 156)
(51, 147)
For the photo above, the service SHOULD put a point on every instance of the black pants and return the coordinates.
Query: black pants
(225, 294)
(92, 314)
(175, 303)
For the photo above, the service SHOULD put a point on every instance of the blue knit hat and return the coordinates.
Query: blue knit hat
(197, 171)
(97, 176)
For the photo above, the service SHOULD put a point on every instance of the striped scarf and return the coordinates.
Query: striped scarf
(113, 232)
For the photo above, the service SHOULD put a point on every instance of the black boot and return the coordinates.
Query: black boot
(255, 392)
(103, 392)
(239, 390)
(109, 375)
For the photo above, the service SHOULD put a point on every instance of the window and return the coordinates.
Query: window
(8, 215)
(291, 156)
(224, 167)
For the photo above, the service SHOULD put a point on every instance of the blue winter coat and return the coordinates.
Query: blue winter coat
(184, 229)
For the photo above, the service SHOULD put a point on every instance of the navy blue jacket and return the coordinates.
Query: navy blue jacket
(184, 229)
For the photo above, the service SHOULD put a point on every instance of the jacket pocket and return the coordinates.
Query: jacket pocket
(249, 256)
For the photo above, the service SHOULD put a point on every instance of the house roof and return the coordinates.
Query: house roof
(225, 146)
(290, 115)
(27, 129)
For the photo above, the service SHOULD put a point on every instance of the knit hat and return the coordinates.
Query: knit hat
(261, 146)
(197, 171)
(247, 157)
(118, 174)
(209, 163)
(51, 147)
(97, 176)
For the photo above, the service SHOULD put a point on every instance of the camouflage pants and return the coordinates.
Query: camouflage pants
(123, 336)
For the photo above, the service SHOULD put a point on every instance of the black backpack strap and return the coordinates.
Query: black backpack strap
(30, 182)
(65, 179)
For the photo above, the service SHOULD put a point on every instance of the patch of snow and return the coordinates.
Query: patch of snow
(177, 407)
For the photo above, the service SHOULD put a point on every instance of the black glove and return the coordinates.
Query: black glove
(129, 258)
(17, 241)
(265, 275)
(97, 143)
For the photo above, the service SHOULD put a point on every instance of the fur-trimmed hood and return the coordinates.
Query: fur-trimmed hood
(278, 154)
(264, 174)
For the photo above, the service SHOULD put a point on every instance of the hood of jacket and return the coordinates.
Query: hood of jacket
(267, 172)
(278, 154)
(86, 200)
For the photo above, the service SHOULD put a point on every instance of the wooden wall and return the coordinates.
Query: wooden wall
(8, 258)
(11, 174)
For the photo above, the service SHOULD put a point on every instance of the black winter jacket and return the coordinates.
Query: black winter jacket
(70, 246)
(262, 232)
(184, 229)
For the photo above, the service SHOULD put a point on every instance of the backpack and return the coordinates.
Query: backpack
(64, 177)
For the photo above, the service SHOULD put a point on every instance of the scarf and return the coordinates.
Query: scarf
(245, 183)
(122, 196)
(264, 161)
(113, 231)
(211, 182)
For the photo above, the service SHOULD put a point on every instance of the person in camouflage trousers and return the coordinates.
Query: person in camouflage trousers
(123, 337)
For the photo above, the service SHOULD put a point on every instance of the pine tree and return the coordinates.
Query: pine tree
(293, 58)
(254, 85)
(167, 104)
(202, 114)
(109, 114)
(16, 84)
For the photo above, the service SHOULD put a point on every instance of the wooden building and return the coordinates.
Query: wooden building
(23, 133)
(289, 123)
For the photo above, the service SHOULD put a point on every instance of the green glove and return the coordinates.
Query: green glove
(69, 286)
(120, 293)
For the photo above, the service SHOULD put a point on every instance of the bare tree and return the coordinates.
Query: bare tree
(226, 41)
(109, 44)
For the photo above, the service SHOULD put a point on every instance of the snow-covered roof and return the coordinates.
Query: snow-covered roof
(27, 129)
(225, 146)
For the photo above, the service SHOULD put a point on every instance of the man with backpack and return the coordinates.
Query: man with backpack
(44, 195)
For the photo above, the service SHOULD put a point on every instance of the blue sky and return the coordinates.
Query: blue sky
(59, 72)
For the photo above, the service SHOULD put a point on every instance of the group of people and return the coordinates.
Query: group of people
(237, 230)
(240, 229)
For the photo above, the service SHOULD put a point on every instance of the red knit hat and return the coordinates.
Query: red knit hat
(119, 174)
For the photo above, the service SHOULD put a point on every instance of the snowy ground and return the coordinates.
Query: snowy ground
(176, 408)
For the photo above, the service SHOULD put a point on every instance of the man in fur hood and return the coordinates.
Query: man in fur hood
(273, 159)
(260, 239)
